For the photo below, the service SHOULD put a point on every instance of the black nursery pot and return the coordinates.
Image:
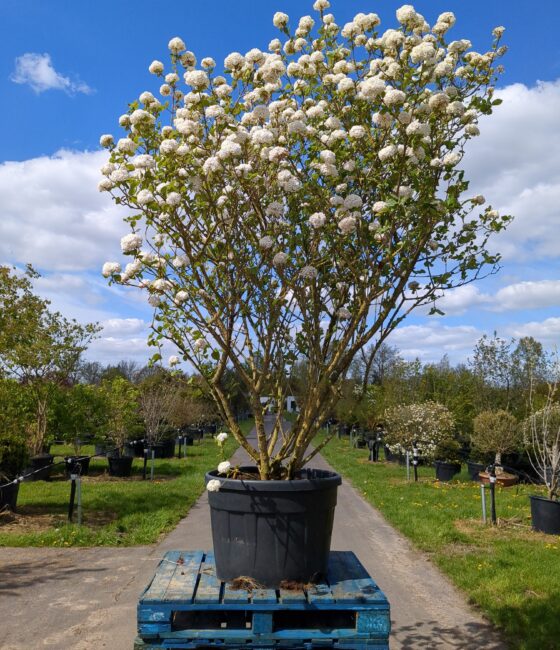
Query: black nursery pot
(120, 465)
(77, 465)
(545, 515)
(8, 496)
(273, 530)
(42, 462)
(474, 469)
(446, 471)
(165, 449)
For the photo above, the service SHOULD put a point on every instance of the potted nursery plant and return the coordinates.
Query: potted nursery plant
(156, 399)
(81, 414)
(448, 459)
(292, 211)
(542, 436)
(13, 458)
(496, 432)
(426, 425)
(121, 398)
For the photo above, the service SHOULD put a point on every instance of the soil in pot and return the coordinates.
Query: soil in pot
(272, 531)
(120, 465)
(77, 465)
(474, 469)
(8, 497)
(504, 479)
(446, 471)
(43, 463)
(545, 515)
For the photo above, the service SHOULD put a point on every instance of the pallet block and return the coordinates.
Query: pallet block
(186, 607)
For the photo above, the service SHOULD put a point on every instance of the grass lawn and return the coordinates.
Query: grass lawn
(509, 571)
(116, 511)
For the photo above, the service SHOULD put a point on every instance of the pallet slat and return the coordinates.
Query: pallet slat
(183, 581)
(209, 587)
(350, 582)
(158, 586)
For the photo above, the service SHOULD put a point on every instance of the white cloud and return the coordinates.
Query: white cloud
(515, 164)
(546, 331)
(124, 326)
(37, 71)
(457, 301)
(53, 215)
(430, 342)
(528, 295)
(520, 295)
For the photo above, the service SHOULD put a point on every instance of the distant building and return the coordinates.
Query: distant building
(290, 404)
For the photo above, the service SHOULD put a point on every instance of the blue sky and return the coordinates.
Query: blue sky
(98, 53)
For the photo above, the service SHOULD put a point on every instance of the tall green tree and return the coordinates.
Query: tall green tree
(39, 347)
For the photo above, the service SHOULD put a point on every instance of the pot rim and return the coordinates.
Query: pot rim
(537, 497)
(324, 480)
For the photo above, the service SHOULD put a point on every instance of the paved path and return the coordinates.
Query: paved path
(85, 599)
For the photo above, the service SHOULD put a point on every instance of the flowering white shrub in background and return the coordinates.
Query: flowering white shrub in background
(428, 424)
(301, 204)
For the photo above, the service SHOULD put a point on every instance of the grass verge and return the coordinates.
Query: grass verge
(116, 512)
(509, 571)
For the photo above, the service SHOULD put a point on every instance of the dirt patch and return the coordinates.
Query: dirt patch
(506, 528)
(37, 519)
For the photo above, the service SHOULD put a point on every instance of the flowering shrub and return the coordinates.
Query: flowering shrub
(298, 206)
(428, 425)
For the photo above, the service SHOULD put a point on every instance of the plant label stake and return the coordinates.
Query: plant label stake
(415, 462)
(372, 447)
(492, 472)
(72, 496)
(483, 501)
(408, 466)
(145, 463)
(152, 467)
(79, 498)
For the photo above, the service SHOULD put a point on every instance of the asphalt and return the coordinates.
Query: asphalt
(85, 599)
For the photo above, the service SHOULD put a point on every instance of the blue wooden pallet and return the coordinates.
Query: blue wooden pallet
(185, 606)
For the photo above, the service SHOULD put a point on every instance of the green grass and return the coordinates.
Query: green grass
(116, 512)
(509, 571)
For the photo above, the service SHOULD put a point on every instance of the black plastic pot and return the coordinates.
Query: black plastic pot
(120, 465)
(446, 471)
(389, 455)
(474, 468)
(545, 515)
(8, 496)
(42, 462)
(134, 449)
(164, 449)
(100, 449)
(273, 530)
(77, 465)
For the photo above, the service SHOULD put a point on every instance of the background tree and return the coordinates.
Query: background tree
(40, 347)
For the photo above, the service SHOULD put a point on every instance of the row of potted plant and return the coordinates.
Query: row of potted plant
(429, 428)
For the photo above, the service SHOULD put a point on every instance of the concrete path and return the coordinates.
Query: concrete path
(85, 599)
